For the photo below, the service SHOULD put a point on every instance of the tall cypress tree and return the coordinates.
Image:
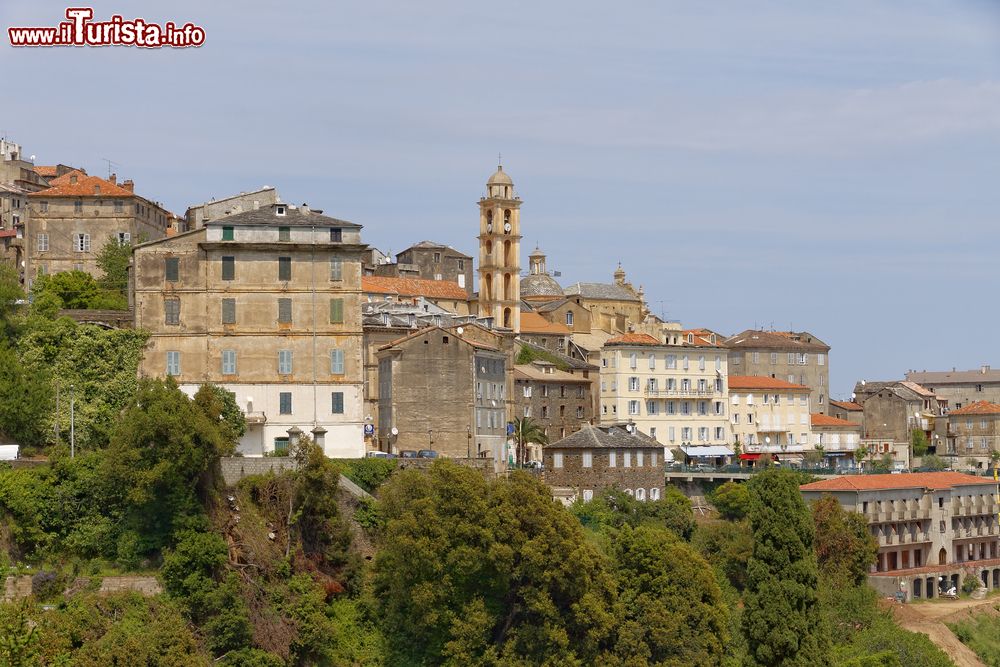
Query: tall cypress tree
(781, 618)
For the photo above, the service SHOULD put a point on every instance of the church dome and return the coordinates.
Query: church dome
(499, 178)
(541, 287)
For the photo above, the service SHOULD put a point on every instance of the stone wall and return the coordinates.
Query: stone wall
(235, 468)
(17, 587)
(147, 586)
(484, 465)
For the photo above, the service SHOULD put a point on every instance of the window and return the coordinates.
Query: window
(284, 233)
(651, 385)
(627, 462)
(633, 384)
(703, 433)
(719, 408)
(638, 459)
(284, 310)
(684, 362)
(736, 418)
(281, 445)
(43, 242)
(755, 356)
(336, 268)
(588, 459)
(701, 362)
(336, 235)
(545, 391)
(774, 358)
(685, 408)
(652, 434)
(545, 412)
(173, 362)
(579, 412)
(821, 359)
(171, 268)
(284, 362)
(229, 311)
(569, 318)
(284, 268)
(557, 460)
(640, 494)
(229, 268)
(171, 311)
(285, 403)
(671, 433)
(337, 311)
(461, 265)
(671, 361)
(119, 206)
(579, 391)
(337, 402)
(336, 362)
(227, 234)
(588, 495)
(736, 399)
(229, 362)
(527, 391)
(280, 209)
(612, 459)
(720, 433)
(78, 207)
(654, 493)
(650, 407)
(44, 206)
(633, 407)
(686, 434)
(437, 257)
(527, 411)
(81, 242)
(633, 360)
(652, 362)
(803, 358)
(702, 407)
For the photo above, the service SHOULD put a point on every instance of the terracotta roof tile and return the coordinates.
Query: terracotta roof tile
(535, 323)
(978, 408)
(762, 382)
(819, 419)
(46, 171)
(440, 289)
(909, 480)
(85, 186)
(633, 339)
(780, 340)
(847, 405)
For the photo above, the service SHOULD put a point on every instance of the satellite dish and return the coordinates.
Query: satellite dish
(460, 331)
(32, 158)
(862, 383)
(767, 440)
(394, 431)
(853, 395)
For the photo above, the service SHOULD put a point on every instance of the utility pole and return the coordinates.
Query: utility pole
(72, 422)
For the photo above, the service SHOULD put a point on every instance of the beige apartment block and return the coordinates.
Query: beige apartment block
(932, 529)
(838, 438)
(770, 418)
(675, 393)
(961, 388)
(70, 222)
(796, 357)
(973, 435)
(267, 304)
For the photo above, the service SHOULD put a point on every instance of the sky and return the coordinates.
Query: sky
(829, 167)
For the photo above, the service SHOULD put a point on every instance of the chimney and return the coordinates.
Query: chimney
(113, 178)
(304, 209)
(128, 185)
(984, 369)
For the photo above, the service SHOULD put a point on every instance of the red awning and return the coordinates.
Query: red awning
(749, 457)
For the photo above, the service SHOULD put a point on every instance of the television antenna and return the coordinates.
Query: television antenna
(110, 162)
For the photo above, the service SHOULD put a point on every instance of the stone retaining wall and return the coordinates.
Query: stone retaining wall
(235, 468)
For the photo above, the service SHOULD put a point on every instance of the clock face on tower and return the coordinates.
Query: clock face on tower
(506, 227)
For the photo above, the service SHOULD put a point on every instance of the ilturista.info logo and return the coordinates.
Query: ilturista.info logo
(79, 29)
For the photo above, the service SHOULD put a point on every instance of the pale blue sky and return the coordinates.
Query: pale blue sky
(829, 166)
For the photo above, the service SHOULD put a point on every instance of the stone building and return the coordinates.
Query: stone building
(429, 260)
(770, 417)
(893, 411)
(556, 392)
(960, 388)
(267, 304)
(838, 438)
(71, 222)
(604, 457)
(674, 391)
(796, 357)
(932, 528)
(847, 410)
(500, 252)
(613, 307)
(18, 179)
(974, 435)
(444, 294)
(214, 209)
(441, 390)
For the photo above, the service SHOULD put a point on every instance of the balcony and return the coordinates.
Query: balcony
(255, 418)
(682, 393)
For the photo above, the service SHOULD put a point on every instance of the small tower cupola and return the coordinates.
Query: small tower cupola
(500, 185)
(619, 275)
(536, 260)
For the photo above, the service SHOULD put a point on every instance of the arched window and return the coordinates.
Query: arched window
(654, 494)
(506, 287)
(629, 491)
(506, 253)
(489, 216)
(640, 494)
(506, 318)
(489, 287)
(506, 216)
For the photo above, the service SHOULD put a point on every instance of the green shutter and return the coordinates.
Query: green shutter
(336, 311)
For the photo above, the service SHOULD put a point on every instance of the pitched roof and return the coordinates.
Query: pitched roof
(532, 372)
(847, 405)
(701, 337)
(536, 324)
(431, 245)
(763, 382)
(777, 340)
(605, 291)
(46, 171)
(934, 378)
(426, 330)
(633, 339)
(85, 186)
(439, 289)
(294, 216)
(916, 388)
(566, 360)
(909, 480)
(819, 419)
(978, 408)
(604, 437)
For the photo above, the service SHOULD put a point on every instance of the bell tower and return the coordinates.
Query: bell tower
(500, 252)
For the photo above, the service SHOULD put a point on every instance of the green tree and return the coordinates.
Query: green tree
(845, 549)
(69, 289)
(614, 508)
(670, 608)
(883, 465)
(727, 546)
(18, 637)
(163, 459)
(933, 462)
(918, 441)
(322, 534)
(113, 262)
(11, 300)
(781, 617)
(732, 500)
(220, 406)
(476, 571)
(25, 399)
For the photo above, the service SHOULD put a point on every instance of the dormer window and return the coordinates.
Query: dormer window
(72, 179)
(97, 189)
(279, 209)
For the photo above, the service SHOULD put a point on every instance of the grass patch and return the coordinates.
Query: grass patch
(982, 635)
